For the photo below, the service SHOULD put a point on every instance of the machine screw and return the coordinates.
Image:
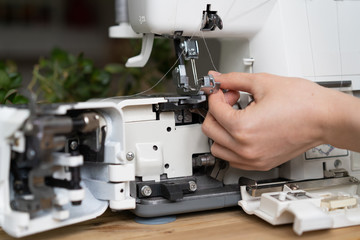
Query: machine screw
(187, 117)
(192, 186)
(130, 156)
(30, 153)
(157, 107)
(146, 191)
(337, 163)
(74, 145)
(180, 117)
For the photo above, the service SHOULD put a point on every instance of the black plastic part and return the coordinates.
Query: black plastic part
(213, 20)
(180, 109)
(335, 84)
(201, 200)
(89, 153)
(171, 107)
(171, 190)
(73, 184)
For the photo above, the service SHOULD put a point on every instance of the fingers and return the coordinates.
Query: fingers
(235, 160)
(235, 81)
(217, 133)
(232, 97)
(222, 111)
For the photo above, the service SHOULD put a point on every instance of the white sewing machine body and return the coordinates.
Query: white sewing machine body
(148, 154)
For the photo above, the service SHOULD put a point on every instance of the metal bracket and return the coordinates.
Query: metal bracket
(171, 190)
(210, 20)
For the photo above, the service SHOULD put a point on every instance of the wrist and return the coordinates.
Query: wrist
(342, 122)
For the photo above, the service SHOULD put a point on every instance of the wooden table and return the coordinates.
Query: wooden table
(231, 223)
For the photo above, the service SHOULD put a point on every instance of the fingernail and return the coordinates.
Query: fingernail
(214, 73)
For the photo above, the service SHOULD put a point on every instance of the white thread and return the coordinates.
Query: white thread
(177, 60)
(157, 83)
(208, 50)
(152, 87)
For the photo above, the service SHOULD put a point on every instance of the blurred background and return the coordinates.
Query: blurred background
(69, 38)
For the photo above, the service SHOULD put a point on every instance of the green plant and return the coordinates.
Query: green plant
(64, 77)
(67, 78)
(135, 80)
(10, 82)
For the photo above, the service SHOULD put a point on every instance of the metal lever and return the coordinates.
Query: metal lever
(208, 84)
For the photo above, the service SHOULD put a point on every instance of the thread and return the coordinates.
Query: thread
(160, 80)
(208, 51)
(177, 60)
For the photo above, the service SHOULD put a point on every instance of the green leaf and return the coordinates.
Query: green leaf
(15, 79)
(19, 99)
(10, 92)
(4, 80)
(87, 66)
(59, 55)
(114, 68)
(2, 96)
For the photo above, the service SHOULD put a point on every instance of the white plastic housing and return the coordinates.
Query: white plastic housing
(157, 145)
(311, 39)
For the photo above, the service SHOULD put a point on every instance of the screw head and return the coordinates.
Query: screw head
(130, 156)
(30, 153)
(29, 126)
(74, 145)
(337, 163)
(192, 186)
(146, 191)
(180, 117)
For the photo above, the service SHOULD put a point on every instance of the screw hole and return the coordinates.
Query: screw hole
(155, 148)
(168, 129)
(122, 190)
(167, 166)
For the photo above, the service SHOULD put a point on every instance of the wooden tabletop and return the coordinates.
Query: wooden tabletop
(231, 223)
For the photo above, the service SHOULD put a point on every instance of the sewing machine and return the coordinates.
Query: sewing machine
(66, 163)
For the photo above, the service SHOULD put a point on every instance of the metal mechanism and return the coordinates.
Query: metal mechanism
(189, 50)
(38, 170)
(256, 189)
(204, 160)
(210, 20)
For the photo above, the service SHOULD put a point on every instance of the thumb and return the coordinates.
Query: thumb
(235, 81)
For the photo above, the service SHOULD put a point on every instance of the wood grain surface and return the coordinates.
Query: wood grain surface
(231, 223)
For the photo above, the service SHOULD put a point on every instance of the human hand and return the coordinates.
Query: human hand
(285, 119)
